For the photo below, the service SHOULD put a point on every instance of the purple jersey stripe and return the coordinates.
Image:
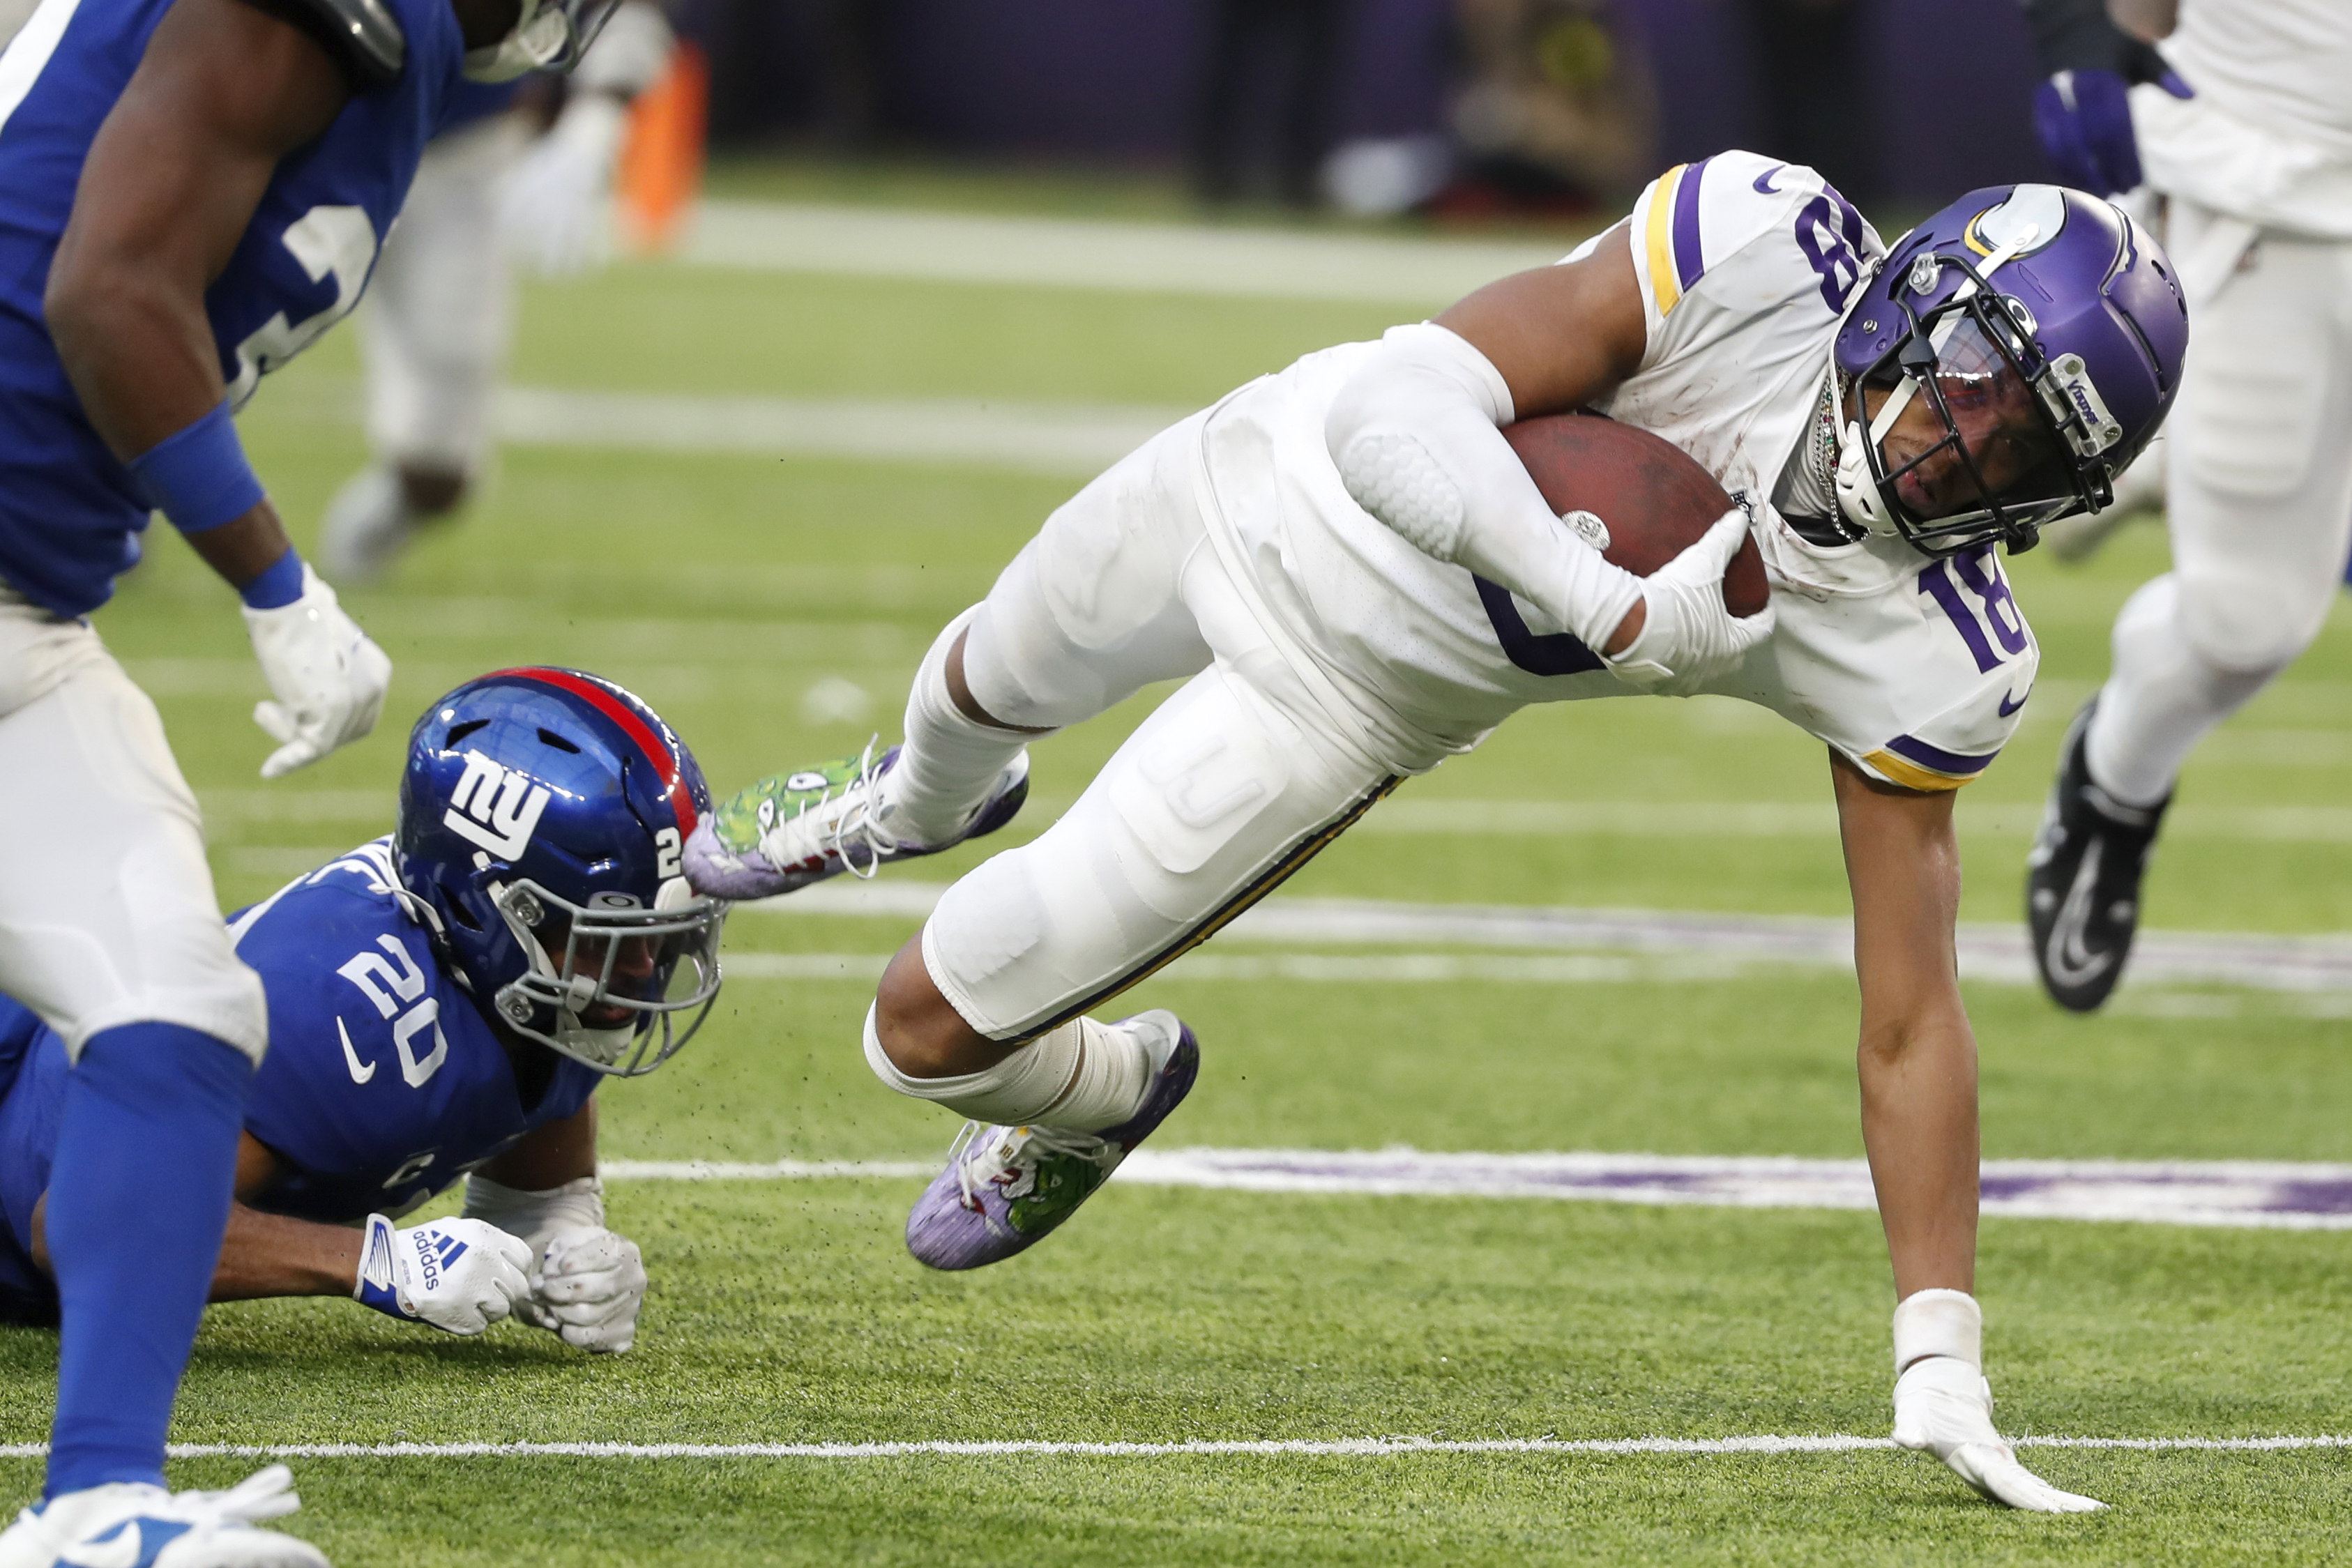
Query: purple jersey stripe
(1688, 263)
(1951, 762)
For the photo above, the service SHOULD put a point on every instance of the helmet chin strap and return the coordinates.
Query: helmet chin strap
(1858, 495)
(537, 39)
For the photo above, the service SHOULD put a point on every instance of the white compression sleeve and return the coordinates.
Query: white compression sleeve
(1085, 1075)
(1416, 435)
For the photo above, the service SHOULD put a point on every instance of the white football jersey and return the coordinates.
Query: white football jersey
(1915, 669)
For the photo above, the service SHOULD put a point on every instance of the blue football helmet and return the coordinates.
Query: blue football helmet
(2044, 331)
(542, 815)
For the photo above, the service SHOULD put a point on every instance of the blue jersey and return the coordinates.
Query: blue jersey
(475, 101)
(384, 1083)
(70, 515)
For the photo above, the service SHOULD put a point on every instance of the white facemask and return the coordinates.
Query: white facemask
(537, 40)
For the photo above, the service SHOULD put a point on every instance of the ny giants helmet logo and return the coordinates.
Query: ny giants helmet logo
(495, 807)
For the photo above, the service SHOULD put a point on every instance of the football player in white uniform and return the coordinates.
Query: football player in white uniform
(440, 308)
(2242, 118)
(1359, 579)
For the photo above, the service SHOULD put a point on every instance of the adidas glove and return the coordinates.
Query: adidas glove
(1943, 1405)
(1689, 636)
(587, 1282)
(328, 676)
(460, 1275)
(586, 1289)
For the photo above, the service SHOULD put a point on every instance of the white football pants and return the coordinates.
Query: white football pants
(2260, 507)
(108, 915)
(1231, 784)
(439, 310)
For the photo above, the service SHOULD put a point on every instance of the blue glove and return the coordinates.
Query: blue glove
(2083, 119)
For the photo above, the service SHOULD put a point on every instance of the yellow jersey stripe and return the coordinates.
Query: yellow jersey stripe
(1910, 775)
(1664, 286)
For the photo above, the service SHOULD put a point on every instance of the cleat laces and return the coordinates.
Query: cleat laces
(854, 824)
(1008, 1161)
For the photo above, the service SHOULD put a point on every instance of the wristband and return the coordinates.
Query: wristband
(279, 585)
(374, 1287)
(198, 476)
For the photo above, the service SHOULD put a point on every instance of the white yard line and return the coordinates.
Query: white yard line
(1991, 953)
(1124, 257)
(2225, 1194)
(1301, 1447)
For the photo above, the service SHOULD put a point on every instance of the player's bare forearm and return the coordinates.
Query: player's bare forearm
(1561, 336)
(1918, 1057)
(225, 90)
(272, 1255)
(550, 1155)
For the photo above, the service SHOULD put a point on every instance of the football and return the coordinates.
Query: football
(1636, 495)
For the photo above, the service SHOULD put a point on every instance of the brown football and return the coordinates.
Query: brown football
(1654, 500)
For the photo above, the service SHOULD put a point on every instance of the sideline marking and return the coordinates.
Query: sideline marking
(1987, 952)
(2229, 1194)
(1343, 1447)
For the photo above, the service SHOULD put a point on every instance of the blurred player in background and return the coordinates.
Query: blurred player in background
(2241, 118)
(490, 191)
(434, 1018)
(1304, 554)
(193, 191)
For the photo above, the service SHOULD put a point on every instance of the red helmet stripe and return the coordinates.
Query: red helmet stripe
(658, 751)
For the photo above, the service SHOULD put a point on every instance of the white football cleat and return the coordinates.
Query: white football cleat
(1943, 1406)
(130, 1525)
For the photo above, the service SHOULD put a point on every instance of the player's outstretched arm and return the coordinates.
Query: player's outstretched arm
(1919, 1068)
(1416, 436)
(587, 1283)
(225, 90)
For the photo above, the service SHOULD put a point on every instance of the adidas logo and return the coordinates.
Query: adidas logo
(435, 1251)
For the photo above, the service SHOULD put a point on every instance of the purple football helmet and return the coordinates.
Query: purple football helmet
(2043, 331)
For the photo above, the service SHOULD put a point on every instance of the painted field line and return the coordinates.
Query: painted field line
(1987, 952)
(2227, 1194)
(1342, 1448)
(1125, 257)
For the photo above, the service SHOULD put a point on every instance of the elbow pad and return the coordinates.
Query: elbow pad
(1416, 437)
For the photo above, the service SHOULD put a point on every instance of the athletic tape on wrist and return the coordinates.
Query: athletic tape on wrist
(198, 476)
(1939, 1323)
(374, 1287)
(279, 585)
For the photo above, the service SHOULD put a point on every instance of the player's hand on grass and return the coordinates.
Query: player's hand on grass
(1688, 635)
(1943, 1406)
(586, 1289)
(460, 1275)
(328, 676)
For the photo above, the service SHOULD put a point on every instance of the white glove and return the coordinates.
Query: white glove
(1689, 636)
(552, 208)
(1943, 1405)
(586, 1289)
(1944, 1408)
(329, 677)
(461, 1275)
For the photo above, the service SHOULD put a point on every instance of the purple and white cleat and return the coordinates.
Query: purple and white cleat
(1005, 1188)
(789, 831)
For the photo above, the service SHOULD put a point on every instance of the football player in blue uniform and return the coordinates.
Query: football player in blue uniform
(433, 1018)
(191, 191)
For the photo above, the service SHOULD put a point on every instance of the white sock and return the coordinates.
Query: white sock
(1085, 1075)
(2161, 700)
(949, 761)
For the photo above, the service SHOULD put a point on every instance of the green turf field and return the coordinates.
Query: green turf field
(747, 597)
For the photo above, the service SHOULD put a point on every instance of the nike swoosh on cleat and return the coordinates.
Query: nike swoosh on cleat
(2008, 707)
(133, 1543)
(2070, 962)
